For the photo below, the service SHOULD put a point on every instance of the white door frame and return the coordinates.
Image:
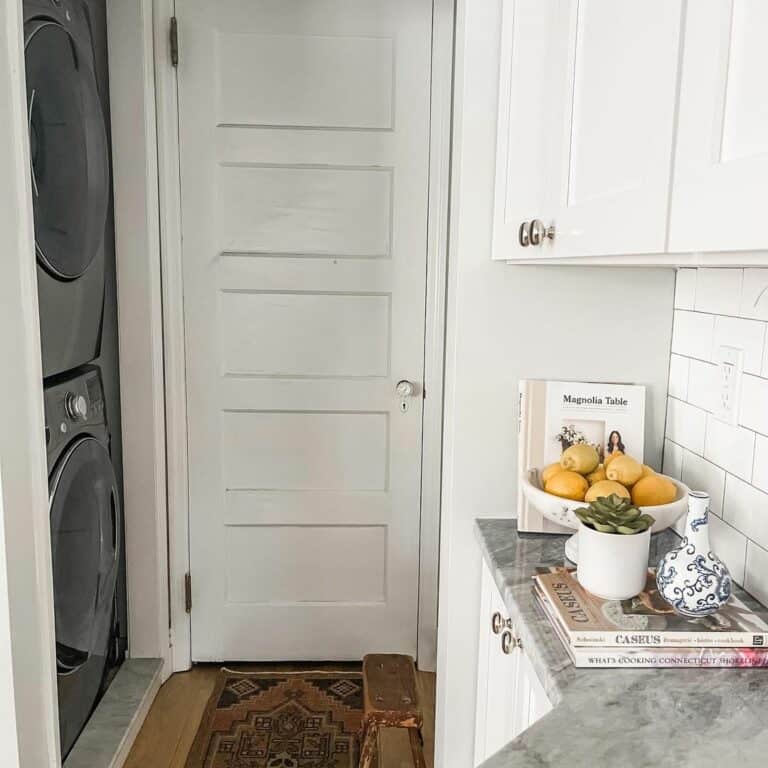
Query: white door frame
(173, 329)
(29, 702)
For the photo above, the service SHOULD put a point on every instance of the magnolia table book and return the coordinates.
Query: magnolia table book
(553, 415)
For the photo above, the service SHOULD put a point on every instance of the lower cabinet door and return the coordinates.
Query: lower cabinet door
(510, 697)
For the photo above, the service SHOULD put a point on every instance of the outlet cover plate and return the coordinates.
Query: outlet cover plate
(730, 367)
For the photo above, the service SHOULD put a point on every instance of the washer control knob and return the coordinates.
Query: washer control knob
(77, 407)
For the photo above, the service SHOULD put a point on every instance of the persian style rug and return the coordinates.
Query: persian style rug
(281, 720)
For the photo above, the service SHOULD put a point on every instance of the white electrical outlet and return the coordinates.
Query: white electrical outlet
(730, 365)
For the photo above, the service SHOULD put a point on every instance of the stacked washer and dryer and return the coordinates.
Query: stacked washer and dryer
(67, 101)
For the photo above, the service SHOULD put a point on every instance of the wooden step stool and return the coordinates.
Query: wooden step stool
(390, 712)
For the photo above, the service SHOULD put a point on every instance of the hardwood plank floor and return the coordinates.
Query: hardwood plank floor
(169, 730)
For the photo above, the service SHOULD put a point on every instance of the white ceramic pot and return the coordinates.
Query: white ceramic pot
(613, 565)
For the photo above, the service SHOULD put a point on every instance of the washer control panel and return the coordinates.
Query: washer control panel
(72, 405)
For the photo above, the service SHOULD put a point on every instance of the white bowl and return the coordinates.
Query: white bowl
(561, 511)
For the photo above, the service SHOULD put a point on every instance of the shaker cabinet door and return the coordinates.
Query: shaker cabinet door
(619, 61)
(720, 185)
(525, 138)
(497, 677)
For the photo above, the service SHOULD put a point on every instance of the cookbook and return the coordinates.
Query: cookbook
(644, 621)
(553, 415)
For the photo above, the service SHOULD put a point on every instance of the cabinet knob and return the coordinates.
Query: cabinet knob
(524, 234)
(537, 232)
(498, 622)
(509, 641)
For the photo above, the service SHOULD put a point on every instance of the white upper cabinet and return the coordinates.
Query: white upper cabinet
(524, 146)
(720, 186)
(618, 60)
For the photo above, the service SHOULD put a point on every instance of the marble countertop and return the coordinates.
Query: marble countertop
(620, 718)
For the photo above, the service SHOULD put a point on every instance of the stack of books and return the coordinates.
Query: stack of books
(644, 631)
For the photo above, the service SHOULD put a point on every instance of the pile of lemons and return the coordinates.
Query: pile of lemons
(580, 476)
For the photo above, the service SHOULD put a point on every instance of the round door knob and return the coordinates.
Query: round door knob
(537, 232)
(405, 388)
(77, 407)
(524, 234)
(508, 642)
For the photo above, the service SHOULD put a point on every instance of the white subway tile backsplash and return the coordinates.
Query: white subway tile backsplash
(686, 425)
(713, 308)
(754, 296)
(730, 545)
(685, 289)
(678, 376)
(748, 335)
(702, 385)
(753, 410)
(746, 508)
(672, 463)
(732, 448)
(756, 577)
(718, 291)
(760, 468)
(692, 334)
(701, 475)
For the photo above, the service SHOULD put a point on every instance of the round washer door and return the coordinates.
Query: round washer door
(68, 148)
(84, 511)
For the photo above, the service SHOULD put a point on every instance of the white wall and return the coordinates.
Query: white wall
(507, 323)
(715, 307)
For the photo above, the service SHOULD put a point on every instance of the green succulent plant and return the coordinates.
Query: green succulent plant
(613, 514)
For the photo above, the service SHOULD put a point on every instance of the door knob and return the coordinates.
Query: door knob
(509, 641)
(498, 622)
(537, 232)
(405, 388)
(524, 234)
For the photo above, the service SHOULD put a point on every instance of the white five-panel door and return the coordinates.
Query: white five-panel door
(304, 134)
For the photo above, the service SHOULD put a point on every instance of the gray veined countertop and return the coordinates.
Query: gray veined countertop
(620, 718)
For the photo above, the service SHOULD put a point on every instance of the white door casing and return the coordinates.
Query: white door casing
(720, 182)
(304, 141)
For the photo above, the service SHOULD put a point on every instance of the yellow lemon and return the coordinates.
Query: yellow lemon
(652, 490)
(624, 470)
(647, 471)
(581, 458)
(567, 485)
(547, 472)
(597, 475)
(604, 488)
(611, 456)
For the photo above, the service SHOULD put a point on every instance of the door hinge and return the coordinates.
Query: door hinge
(174, 34)
(188, 592)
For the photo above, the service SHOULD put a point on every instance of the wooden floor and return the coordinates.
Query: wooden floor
(169, 730)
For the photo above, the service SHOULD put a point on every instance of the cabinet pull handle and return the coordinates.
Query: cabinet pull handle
(510, 641)
(537, 232)
(498, 623)
(524, 234)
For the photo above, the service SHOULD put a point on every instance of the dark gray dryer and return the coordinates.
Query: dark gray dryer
(86, 530)
(70, 180)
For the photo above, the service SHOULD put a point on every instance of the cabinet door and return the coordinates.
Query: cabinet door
(496, 684)
(720, 183)
(525, 137)
(619, 61)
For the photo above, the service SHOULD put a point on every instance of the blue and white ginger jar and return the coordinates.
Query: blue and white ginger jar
(693, 580)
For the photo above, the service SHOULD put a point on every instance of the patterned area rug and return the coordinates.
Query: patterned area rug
(281, 720)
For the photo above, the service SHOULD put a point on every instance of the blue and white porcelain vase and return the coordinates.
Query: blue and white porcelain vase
(693, 580)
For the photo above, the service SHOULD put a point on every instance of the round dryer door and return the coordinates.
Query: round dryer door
(85, 545)
(68, 147)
